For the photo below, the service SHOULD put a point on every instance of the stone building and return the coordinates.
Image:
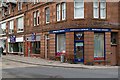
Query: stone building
(85, 32)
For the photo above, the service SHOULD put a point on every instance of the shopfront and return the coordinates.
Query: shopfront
(33, 45)
(15, 45)
(85, 45)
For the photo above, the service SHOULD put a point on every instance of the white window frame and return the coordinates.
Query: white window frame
(63, 11)
(96, 8)
(103, 8)
(11, 26)
(21, 19)
(63, 42)
(47, 14)
(58, 12)
(19, 6)
(102, 44)
(3, 27)
(78, 7)
(36, 17)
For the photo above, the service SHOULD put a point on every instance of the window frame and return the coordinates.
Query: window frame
(79, 17)
(96, 7)
(47, 14)
(103, 8)
(22, 29)
(63, 11)
(58, 6)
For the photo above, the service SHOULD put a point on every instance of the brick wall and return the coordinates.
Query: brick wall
(108, 47)
(69, 45)
(52, 46)
(88, 47)
(119, 47)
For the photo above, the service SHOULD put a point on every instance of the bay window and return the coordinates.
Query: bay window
(78, 9)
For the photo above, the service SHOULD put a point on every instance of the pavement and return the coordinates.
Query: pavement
(44, 62)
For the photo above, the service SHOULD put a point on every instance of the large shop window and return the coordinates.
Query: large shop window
(98, 45)
(61, 43)
(16, 47)
(113, 38)
(35, 47)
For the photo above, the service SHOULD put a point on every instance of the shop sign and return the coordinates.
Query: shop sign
(78, 29)
(12, 39)
(33, 37)
(79, 35)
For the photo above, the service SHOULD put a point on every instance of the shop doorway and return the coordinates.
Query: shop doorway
(79, 47)
(46, 46)
(79, 51)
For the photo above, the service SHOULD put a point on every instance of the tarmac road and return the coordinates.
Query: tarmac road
(11, 69)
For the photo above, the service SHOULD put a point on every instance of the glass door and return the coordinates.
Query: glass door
(79, 52)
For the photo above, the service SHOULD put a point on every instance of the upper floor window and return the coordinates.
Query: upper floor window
(11, 26)
(102, 9)
(58, 12)
(36, 1)
(47, 11)
(96, 9)
(19, 6)
(78, 9)
(63, 11)
(3, 28)
(36, 15)
(20, 24)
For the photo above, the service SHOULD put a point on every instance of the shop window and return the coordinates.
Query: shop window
(79, 36)
(20, 47)
(61, 43)
(98, 45)
(13, 47)
(35, 47)
(113, 38)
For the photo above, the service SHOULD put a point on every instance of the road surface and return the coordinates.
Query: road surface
(11, 69)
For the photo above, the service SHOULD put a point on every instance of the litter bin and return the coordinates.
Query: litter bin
(62, 57)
